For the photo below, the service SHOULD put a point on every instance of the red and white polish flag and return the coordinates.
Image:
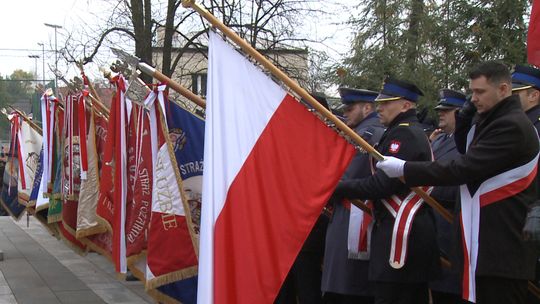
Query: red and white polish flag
(533, 35)
(269, 167)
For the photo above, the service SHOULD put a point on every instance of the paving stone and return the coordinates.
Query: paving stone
(7, 299)
(119, 295)
(78, 297)
(34, 295)
(38, 268)
(5, 290)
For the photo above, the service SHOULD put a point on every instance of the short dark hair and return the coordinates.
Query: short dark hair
(494, 71)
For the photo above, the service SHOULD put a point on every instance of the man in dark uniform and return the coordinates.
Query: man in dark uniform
(404, 253)
(526, 84)
(345, 276)
(497, 176)
(446, 289)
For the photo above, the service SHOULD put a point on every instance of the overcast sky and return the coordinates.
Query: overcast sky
(22, 28)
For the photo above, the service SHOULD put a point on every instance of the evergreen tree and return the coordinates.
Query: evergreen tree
(433, 43)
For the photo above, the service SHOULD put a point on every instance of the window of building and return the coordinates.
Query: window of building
(198, 84)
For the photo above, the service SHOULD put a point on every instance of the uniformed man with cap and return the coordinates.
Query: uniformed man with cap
(526, 83)
(446, 289)
(404, 252)
(496, 175)
(345, 274)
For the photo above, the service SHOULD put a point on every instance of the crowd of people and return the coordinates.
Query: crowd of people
(381, 243)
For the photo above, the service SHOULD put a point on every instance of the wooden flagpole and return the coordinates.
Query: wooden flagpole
(94, 95)
(306, 96)
(28, 120)
(147, 69)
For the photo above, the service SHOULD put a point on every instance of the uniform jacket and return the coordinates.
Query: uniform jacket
(444, 148)
(503, 139)
(534, 116)
(340, 274)
(403, 139)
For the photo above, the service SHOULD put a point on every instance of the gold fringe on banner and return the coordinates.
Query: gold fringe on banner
(83, 233)
(171, 277)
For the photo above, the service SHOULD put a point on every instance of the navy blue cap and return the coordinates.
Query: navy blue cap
(450, 99)
(350, 96)
(525, 77)
(394, 89)
(321, 98)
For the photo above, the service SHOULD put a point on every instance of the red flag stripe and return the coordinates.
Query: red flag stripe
(533, 36)
(252, 251)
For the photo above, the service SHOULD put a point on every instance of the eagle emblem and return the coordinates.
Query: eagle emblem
(394, 146)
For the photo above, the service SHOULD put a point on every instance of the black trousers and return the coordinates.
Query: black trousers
(496, 290)
(303, 283)
(446, 298)
(336, 298)
(401, 293)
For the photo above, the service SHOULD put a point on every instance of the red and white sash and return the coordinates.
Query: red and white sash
(359, 235)
(492, 190)
(403, 211)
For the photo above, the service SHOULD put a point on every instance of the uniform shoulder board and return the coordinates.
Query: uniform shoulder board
(404, 124)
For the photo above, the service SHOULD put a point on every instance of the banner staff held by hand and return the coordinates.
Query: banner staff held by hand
(305, 95)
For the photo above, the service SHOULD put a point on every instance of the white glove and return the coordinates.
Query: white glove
(393, 167)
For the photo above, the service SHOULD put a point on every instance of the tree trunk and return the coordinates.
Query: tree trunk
(168, 38)
(417, 11)
(141, 14)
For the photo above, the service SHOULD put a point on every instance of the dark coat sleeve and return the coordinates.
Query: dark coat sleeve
(463, 125)
(380, 185)
(498, 150)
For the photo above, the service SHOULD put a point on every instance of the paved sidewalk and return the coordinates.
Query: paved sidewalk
(39, 269)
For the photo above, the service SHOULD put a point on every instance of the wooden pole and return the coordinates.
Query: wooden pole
(306, 96)
(32, 124)
(147, 69)
(362, 206)
(94, 95)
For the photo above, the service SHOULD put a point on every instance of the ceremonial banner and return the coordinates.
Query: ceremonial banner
(87, 223)
(171, 251)
(533, 36)
(42, 202)
(29, 144)
(101, 242)
(37, 204)
(49, 105)
(36, 183)
(186, 132)
(140, 176)
(72, 165)
(71, 171)
(139, 194)
(9, 197)
(113, 188)
(270, 166)
(55, 187)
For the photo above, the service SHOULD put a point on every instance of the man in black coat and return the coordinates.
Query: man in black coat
(404, 253)
(497, 183)
(447, 289)
(345, 274)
